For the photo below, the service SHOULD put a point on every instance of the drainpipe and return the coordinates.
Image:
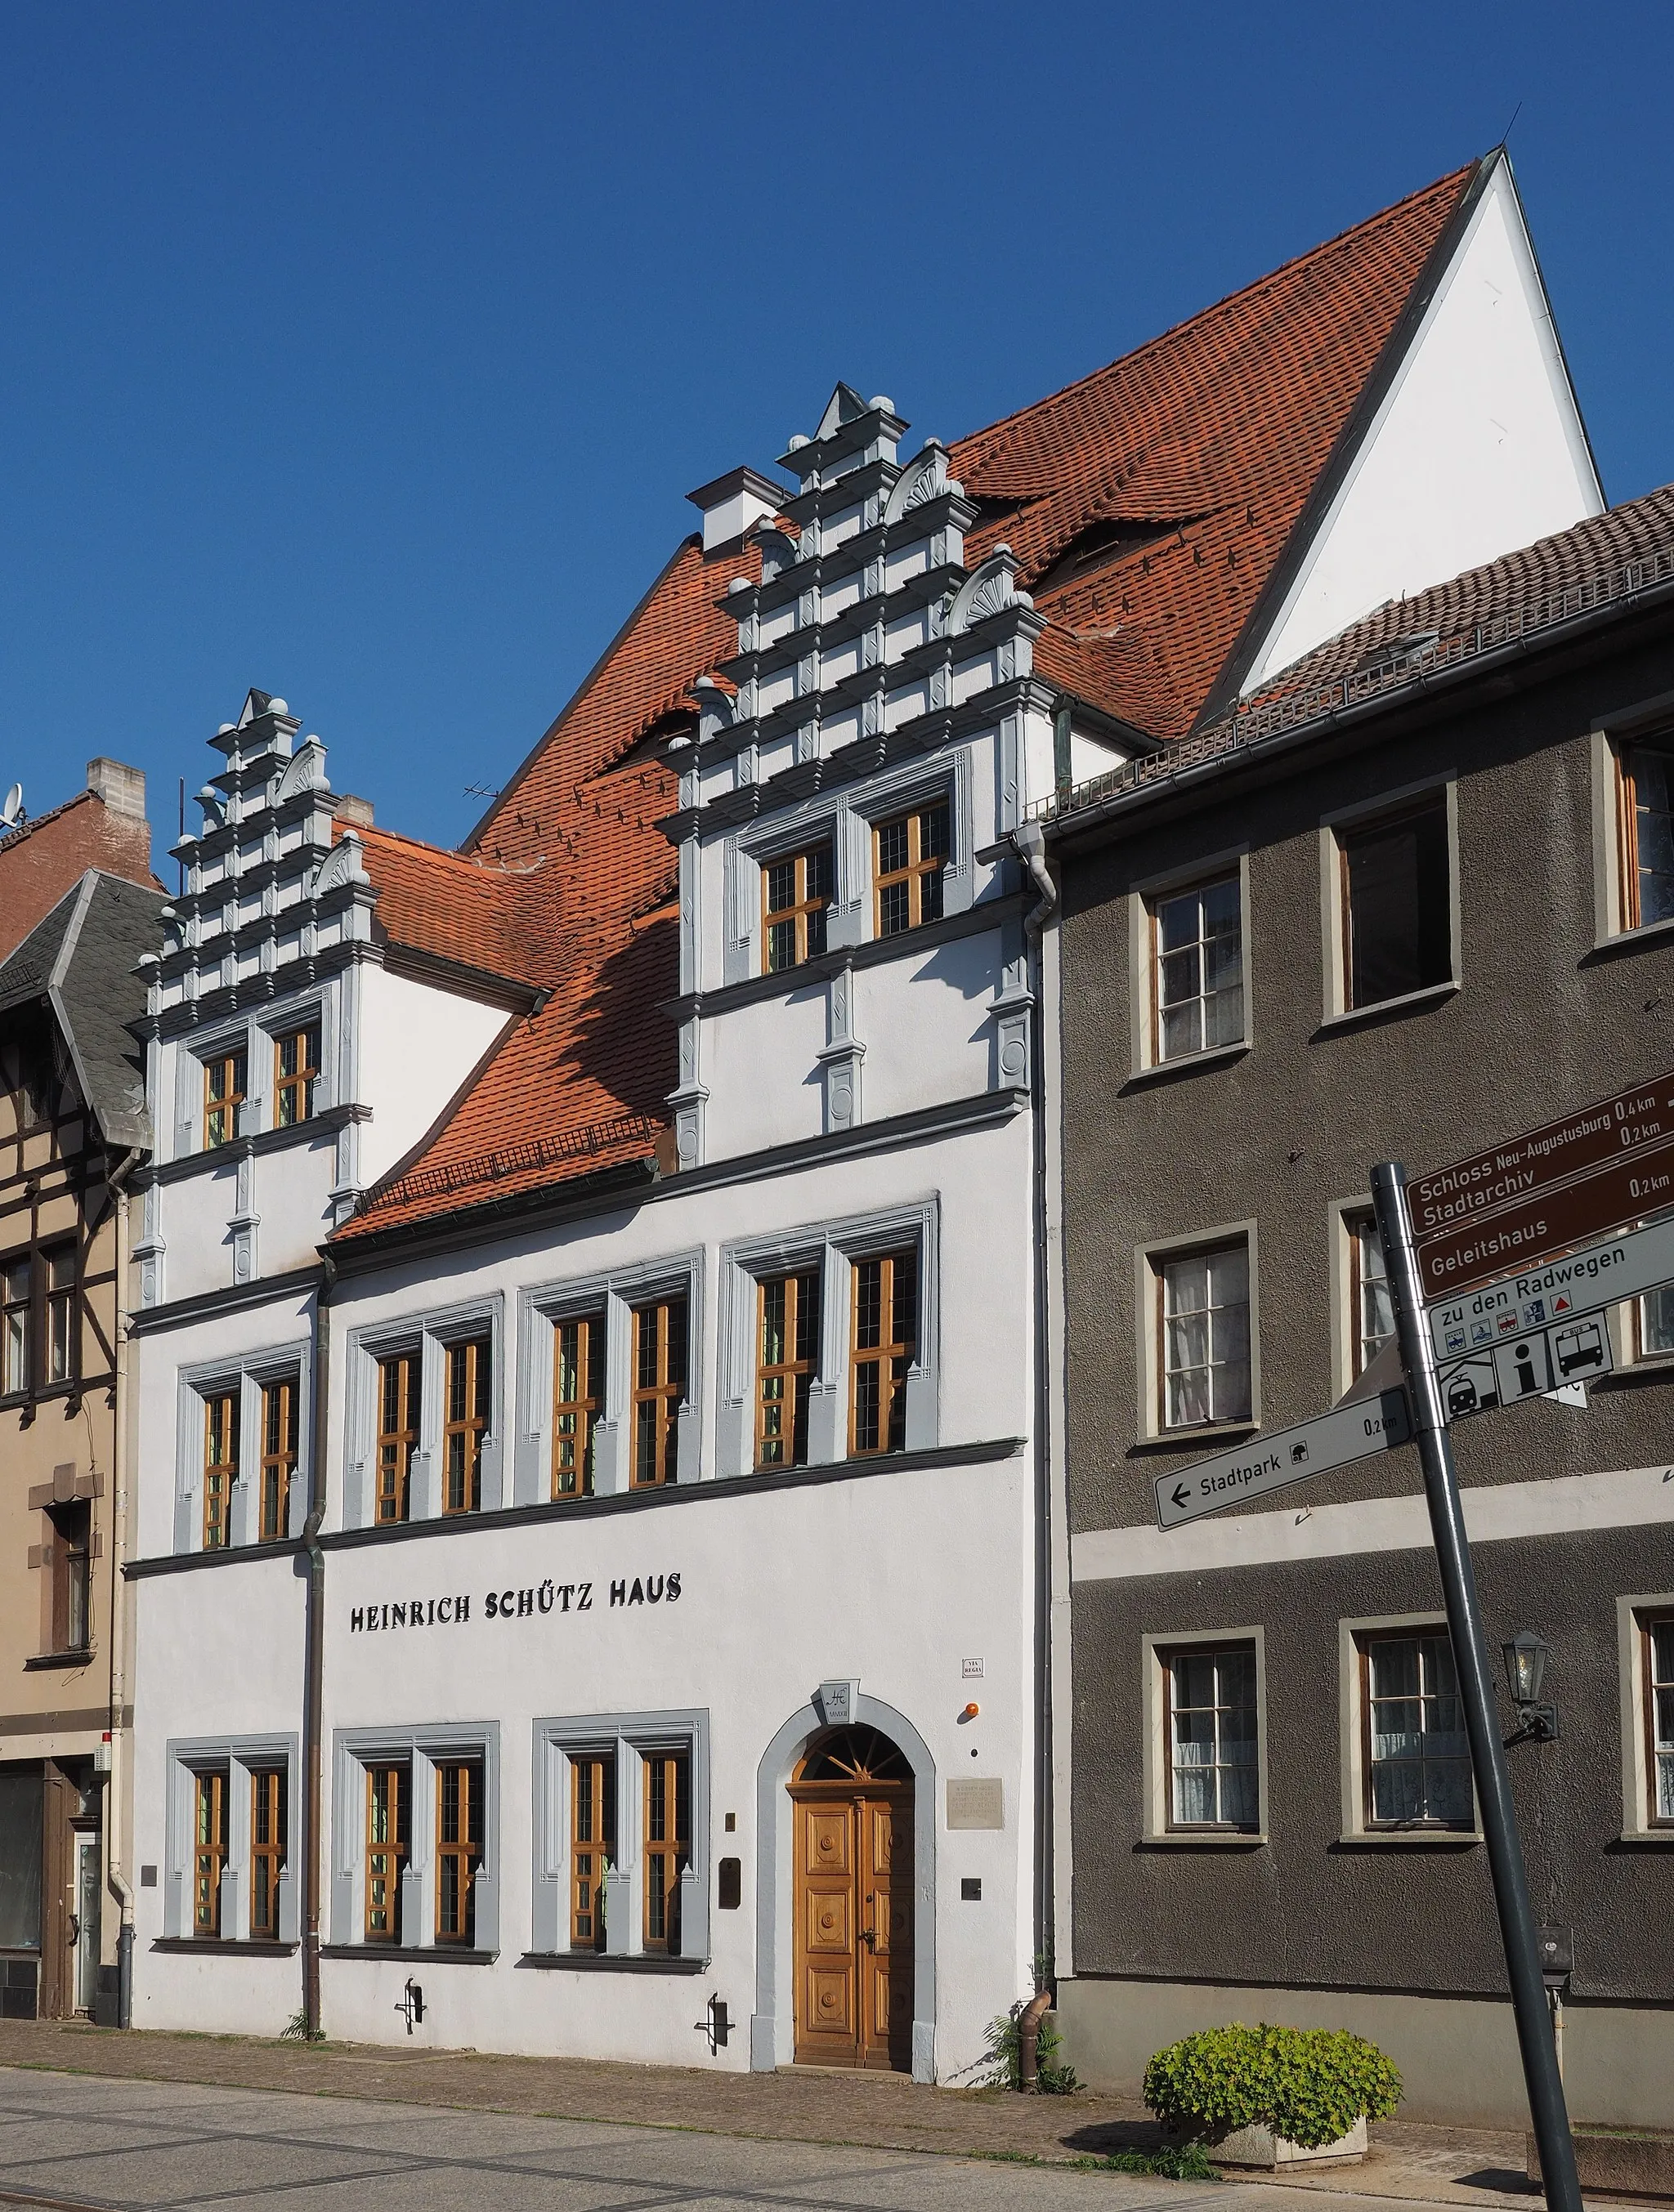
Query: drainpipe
(1029, 842)
(120, 1886)
(1028, 2039)
(314, 1651)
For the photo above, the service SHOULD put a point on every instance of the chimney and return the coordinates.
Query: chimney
(348, 809)
(733, 504)
(121, 788)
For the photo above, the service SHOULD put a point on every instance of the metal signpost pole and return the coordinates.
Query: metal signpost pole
(1488, 1757)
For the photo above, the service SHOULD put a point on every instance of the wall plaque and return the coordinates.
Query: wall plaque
(977, 1802)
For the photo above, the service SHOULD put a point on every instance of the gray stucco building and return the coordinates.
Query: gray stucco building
(1412, 899)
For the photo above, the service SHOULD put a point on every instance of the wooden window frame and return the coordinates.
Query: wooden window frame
(209, 1788)
(1627, 821)
(463, 1434)
(666, 1776)
(278, 1465)
(883, 1355)
(591, 1857)
(61, 1309)
(918, 869)
(583, 1410)
(394, 1847)
(72, 1574)
(1355, 1223)
(458, 1855)
(393, 1448)
(664, 1395)
(1167, 1655)
(1647, 1623)
(806, 914)
(233, 1066)
(794, 1376)
(1154, 901)
(299, 1082)
(1346, 833)
(21, 1383)
(1415, 1632)
(1160, 1263)
(220, 1474)
(267, 1849)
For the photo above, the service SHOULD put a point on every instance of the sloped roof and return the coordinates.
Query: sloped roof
(458, 909)
(1203, 448)
(81, 958)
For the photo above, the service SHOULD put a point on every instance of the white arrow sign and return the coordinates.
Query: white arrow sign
(1586, 1282)
(1348, 1433)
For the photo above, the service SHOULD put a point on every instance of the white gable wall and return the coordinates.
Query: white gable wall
(1477, 449)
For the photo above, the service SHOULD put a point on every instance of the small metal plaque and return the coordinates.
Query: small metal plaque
(977, 1802)
(971, 1889)
(837, 1704)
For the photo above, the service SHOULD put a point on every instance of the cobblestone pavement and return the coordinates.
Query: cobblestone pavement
(628, 2105)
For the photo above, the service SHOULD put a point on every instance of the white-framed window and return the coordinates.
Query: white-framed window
(1206, 1736)
(232, 1823)
(609, 1395)
(1372, 1315)
(242, 1440)
(1653, 1324)
(425, 1420)
(1197, 1309)
(1406, 1758)
(1390, 899)
(1645, 1629)
(1191, 964)
(416, 1838)
(828, 1341)
(621, 1836)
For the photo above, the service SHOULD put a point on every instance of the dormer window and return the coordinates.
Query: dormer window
(796, 891)
(910, 854)
(295, 1072)
(225, 1080)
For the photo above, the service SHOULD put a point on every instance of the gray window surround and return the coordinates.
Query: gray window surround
(252, 1031)
(1632, 1618)
(614, 1293)
(1353, 1780)
(429, 1334)
(628, 1737)
(184, 1759)
(247, 1374)
(848, 819)
(1335, 1007)
(352, 1751)
(1148, 1300)
(1643, 722)
(1144, 897)
(773, 2023)
(833, 1247)
(1156, 1651)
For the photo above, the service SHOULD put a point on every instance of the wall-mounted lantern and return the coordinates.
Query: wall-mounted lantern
(1526, 1655)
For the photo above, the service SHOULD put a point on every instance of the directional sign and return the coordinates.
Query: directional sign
(1348, 1433)
(1525, 1366)
(1625, 1191)
(1559, 1291)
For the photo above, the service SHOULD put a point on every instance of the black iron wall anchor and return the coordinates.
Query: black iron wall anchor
(714, 2024)
(412, 2005)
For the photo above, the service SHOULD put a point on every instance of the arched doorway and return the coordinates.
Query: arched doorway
(853, 1861)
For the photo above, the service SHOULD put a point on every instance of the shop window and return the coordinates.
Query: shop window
(209, 1857)
(796, 894)
(592, 1846)
(910, 857)
(667, 1847)
(1203, 1366)
(72, 1575)
(267, 1851)
(1210, 1717)
(295, 1072)
(884, 1337)
(387, 1804)
(788, 1358)
(225, 1080)
(459, 1848)
(1397, 902)
(1646, 813)
(1416, 1756)
(1197, 969)
(220, 1464)
(468, 1368)
(398, 1432)
(659, 1354)
(279, 1436)
(578, 1366)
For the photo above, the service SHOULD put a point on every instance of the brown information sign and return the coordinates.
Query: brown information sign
(1506, 1176)
(1622, 1190)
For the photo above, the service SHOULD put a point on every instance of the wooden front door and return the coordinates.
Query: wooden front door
(854, 1906)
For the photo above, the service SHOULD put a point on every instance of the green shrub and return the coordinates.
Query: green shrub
(1310, 2085)
(1187, 2161)
(1004, 2057)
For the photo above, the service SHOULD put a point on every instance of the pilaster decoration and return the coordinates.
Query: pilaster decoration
(739, 890)
(1009, 768)
(841, 1055)
(690, 1098)
(845, 922)
(245, 1220)
(690, 860)
(1012, 1010)
(808, 740)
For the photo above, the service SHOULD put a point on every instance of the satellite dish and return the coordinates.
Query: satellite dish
(12, 812)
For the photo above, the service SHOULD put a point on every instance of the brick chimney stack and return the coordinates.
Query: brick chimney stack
(102, 827)
(121, 787)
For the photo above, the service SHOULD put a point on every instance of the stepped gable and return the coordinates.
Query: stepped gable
(580, 1086)
(1152, 501)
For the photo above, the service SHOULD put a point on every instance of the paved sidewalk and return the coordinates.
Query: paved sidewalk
(90, 2143)
(877, 2112)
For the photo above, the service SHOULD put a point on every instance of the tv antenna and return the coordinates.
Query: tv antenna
(480, 791)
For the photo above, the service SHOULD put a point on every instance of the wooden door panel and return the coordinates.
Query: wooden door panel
(886, 1901)
(828, 1920)
(830, 2007)
(828, 1995)
(854, 1923)
(827, 1831)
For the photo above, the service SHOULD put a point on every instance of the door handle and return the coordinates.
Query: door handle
(870, 1937)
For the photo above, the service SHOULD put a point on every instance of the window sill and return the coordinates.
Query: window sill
(1214, 1840)
(208, 1947)
(429, 1954)
(1188, 1440)
(1630, 940)
(605, 1962)
(1429, 1839)
(1662, 1837)
(1409, 1002)
(44, 1660)
(1189, 1063)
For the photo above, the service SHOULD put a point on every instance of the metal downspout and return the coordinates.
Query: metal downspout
(115, 1876)
(314, 1653)
(1029, 840)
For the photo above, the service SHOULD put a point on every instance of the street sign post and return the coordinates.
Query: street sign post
(1465, 1623)
(1347, 1432)
(1555, 1291)
(1527, 1365)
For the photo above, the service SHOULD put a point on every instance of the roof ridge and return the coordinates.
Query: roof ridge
(1162, 338)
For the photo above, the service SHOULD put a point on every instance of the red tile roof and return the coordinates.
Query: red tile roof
(1207, 442)
(456, 909)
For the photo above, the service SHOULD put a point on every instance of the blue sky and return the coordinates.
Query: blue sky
(366, 352)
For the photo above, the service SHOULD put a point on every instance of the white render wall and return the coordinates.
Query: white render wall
(1477, 449)
(417, 1045)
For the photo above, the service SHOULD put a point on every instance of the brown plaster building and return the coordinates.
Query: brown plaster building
(73, 1126)
(1417, 896)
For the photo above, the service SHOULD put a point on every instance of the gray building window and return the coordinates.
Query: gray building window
(1204, 1313)
(1659, 1718)
(1417, 1759)
(1656, 1322)
(1647, 836)
(1374, 1316)
(1396, 904)
(1197, 969)
(1214, 1768)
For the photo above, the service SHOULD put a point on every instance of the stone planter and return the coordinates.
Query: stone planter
(1630, 2163)
(1260, 2146)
